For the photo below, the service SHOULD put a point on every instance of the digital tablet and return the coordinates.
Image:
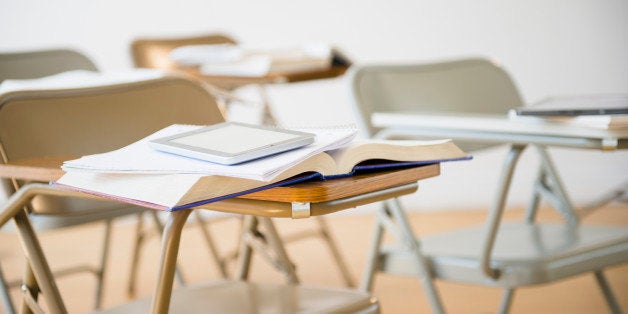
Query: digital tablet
(232, 142)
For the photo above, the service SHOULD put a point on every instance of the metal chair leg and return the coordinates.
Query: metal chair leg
(392, 219)
(335, 252)
(41, 271)
(372, 257)
(100, 275)
(425, 275)
(535, 200)
(245, 251)
(135, 260)
(504, 307)
(557, 190)
(7, 303)
(276, 245)
(267, 244)
(608, 292)
(213, 250)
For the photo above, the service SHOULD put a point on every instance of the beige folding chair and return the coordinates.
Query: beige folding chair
(154, 53)
(503, 255)
(40, 63)
(36, 64)
(103, 118)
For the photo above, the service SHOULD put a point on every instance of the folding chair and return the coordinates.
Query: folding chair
(506, 255)
(103, 118)
(57, 212)
(40, 63)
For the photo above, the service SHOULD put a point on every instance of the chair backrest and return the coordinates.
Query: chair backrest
(154, 52)
(475, 86)
(36, 64)
(57, 123)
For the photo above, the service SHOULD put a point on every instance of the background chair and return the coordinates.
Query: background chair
(57, 212)
(521, 254)
(90, 120)
(154, 53)
(35, 64)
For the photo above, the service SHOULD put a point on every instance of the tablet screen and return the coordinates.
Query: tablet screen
(233, 139)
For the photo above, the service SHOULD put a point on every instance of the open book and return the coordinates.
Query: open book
(172, 190)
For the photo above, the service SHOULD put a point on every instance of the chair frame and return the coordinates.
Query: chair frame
(36, 64)
(391, 217)
(76, 94)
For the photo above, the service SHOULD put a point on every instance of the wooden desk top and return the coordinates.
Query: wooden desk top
(41, 169)
(328, 190)
(48, 169)
(231, 82)
(498, 128)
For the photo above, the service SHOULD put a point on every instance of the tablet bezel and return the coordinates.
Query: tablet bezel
(165, 144)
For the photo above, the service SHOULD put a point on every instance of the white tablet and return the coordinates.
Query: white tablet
(232, 142)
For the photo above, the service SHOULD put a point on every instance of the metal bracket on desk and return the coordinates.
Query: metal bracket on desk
(300, 210)
(610, 143)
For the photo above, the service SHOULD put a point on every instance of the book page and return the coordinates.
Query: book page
(395, 150)
(163, 190)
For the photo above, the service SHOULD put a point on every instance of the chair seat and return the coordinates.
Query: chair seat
(526, 254)
(246, 297)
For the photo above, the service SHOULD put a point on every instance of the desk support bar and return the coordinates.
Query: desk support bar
(554, 190)
(494, 216)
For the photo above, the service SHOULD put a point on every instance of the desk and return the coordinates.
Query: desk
(232, 82)
(496, 129)
(395, 184)
(499, 129)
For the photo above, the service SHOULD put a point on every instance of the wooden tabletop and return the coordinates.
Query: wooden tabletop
(231, 82)
(328, 190)
(40, 169)
(48, 169)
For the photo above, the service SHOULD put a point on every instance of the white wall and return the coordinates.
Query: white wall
(549, 47)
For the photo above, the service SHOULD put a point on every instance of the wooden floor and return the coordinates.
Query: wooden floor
(396, 294)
